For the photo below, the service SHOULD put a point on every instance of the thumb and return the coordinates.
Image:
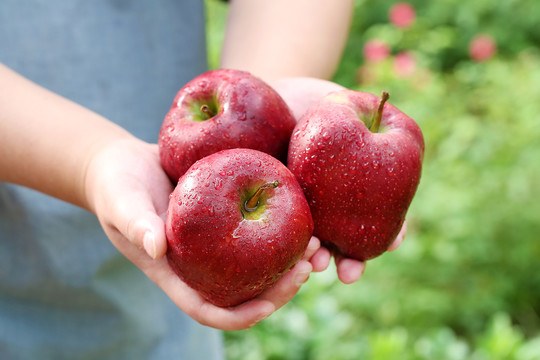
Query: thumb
(147, 230)
(134, 222)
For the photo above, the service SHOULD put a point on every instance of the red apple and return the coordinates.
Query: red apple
(223, 109)
(358, 160)
(237, 221)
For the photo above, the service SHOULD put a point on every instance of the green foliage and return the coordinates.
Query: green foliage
(465, 283)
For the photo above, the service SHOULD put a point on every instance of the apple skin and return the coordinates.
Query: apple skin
(225, 253)
(359, 184)
(248, 114)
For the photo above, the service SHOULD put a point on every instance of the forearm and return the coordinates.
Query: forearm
(286, 38)
(47, 140)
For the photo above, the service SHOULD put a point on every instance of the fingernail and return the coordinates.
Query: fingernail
(266, 313)
(301, 278)
(149, 243)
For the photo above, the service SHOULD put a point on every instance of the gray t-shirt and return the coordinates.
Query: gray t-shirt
(65, 291)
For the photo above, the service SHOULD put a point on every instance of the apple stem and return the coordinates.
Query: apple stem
(205, 109)
(378, 116)
(251, 204)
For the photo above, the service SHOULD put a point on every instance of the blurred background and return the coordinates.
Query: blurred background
(465, 284)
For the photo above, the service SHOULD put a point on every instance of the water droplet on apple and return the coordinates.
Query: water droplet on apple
(391, 154)
(236, 232)
(222, 173)
(362, 229)
(242, 117)
(218, 184)
(373, 229)
(390, 171)
(375, 164)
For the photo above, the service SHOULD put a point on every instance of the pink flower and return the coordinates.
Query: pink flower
(376, 50)
(482, 47)
(402, 14)
(404, 64)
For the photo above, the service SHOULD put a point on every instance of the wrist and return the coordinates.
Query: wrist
(95, 170)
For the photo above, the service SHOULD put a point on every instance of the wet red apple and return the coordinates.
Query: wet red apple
(237, 221)
(358, 160)
(223, 109)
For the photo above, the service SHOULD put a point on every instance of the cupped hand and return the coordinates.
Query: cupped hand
(129, 192)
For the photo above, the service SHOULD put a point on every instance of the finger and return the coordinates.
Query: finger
(286, 287)
(252, 312)
(318, 256)
(239, 317)
(399, 239)
(349, 270)
(194, 305)
(154, 240)
(321, 259)
(136, 219)
(313, 245)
